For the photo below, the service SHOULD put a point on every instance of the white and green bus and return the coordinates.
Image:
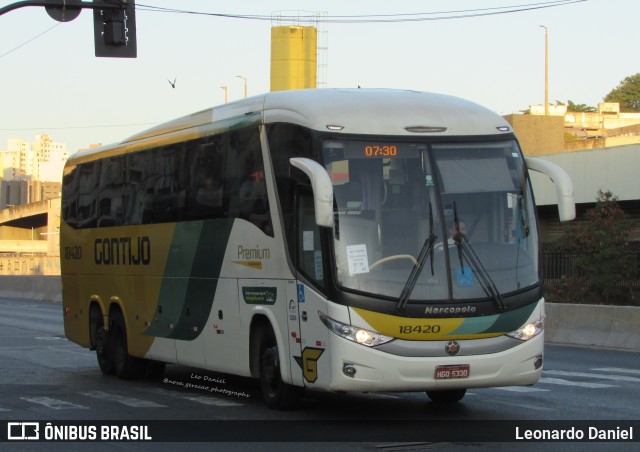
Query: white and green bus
(333, 239)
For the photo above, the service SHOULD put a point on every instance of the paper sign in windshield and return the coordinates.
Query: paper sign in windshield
(357, 259)
(307, 240)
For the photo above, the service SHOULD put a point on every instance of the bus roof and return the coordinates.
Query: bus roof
(354, 111)
(382, 111)
(360, 111)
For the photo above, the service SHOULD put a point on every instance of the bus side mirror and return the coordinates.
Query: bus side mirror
(322, 189)
(562, 181)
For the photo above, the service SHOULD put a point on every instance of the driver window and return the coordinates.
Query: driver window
(347, 190)
(310, 259)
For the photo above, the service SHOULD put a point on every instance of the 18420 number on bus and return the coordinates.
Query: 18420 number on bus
(419, 329)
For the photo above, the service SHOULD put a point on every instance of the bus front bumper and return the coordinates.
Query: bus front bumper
(356, 368)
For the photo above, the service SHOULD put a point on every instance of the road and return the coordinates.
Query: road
(44, 377)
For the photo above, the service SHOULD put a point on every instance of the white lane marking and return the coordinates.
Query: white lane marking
(521, 405)
(212, 401)
(583, 384)
(54, 404)
(521, 389)
(592, 375)
(619, 370)
(128, 401)
(205, 400)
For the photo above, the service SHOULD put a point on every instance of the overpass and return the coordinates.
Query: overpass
(26, 216)
(30, 240)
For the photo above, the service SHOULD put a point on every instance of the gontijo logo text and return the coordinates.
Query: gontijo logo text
(122, 251)
(41, 431)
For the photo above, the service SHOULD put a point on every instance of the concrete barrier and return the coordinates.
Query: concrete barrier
(593, 325)
(40, 288)
(571, 324)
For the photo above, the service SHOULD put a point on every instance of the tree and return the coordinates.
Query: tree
(627, 93)
(579, 108)
(603, 258)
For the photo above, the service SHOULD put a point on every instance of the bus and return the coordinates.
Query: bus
(325, 239)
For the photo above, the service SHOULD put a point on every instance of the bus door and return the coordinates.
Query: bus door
(310, 263)
(295, 335)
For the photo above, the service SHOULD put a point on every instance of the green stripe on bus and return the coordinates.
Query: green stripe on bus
(190, 278)
(203, 279)
(498, 323)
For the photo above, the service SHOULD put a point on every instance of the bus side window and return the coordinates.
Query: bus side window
(110, 198)
(206, 184)
(88, 194)
(169, 194)
(246, 179)
(70, 197)
(134, 190)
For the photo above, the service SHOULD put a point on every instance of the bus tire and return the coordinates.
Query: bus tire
(126, 366)
(101, 341)
(447, 395)
(277, 394)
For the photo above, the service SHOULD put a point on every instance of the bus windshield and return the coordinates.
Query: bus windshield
(462, 213)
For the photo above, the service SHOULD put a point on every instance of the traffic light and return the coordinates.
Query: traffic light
(114, 28)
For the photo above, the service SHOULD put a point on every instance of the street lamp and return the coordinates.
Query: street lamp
(224, 88)
(546, 70)
(245, 84)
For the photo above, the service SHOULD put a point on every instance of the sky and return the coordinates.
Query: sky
(51, 82)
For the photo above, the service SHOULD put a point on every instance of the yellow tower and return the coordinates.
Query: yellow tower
(293, 57)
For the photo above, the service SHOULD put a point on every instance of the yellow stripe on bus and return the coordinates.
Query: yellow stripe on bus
(418, 329)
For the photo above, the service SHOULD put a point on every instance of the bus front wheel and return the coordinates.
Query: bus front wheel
(277, 394)
(447, 395)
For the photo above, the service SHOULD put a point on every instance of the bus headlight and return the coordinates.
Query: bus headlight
(526, 332)
(354, 334)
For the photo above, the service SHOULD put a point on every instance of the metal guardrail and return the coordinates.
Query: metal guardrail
(556, 263)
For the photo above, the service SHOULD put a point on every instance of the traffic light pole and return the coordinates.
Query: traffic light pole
(64, 4)
(114, 22)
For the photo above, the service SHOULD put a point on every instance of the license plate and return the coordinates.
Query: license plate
(452, 371)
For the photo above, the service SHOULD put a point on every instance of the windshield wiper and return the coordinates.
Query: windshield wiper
(427, 249)
(465, 249)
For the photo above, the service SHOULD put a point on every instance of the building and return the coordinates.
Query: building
(562, 130)
(31, 171)
(49, 159)
(613, 169)
(538, 135)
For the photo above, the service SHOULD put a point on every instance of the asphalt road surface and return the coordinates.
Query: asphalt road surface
(45, 378)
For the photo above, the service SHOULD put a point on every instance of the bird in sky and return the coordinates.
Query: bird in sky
(173, 84)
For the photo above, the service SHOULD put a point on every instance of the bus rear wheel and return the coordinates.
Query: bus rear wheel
(102, 352)
(101, 341)
(447, 395)
(277, 394)
(126, 366)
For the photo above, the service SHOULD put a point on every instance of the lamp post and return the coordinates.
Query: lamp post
(245, 84)
(224, 88)
(546, 70)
